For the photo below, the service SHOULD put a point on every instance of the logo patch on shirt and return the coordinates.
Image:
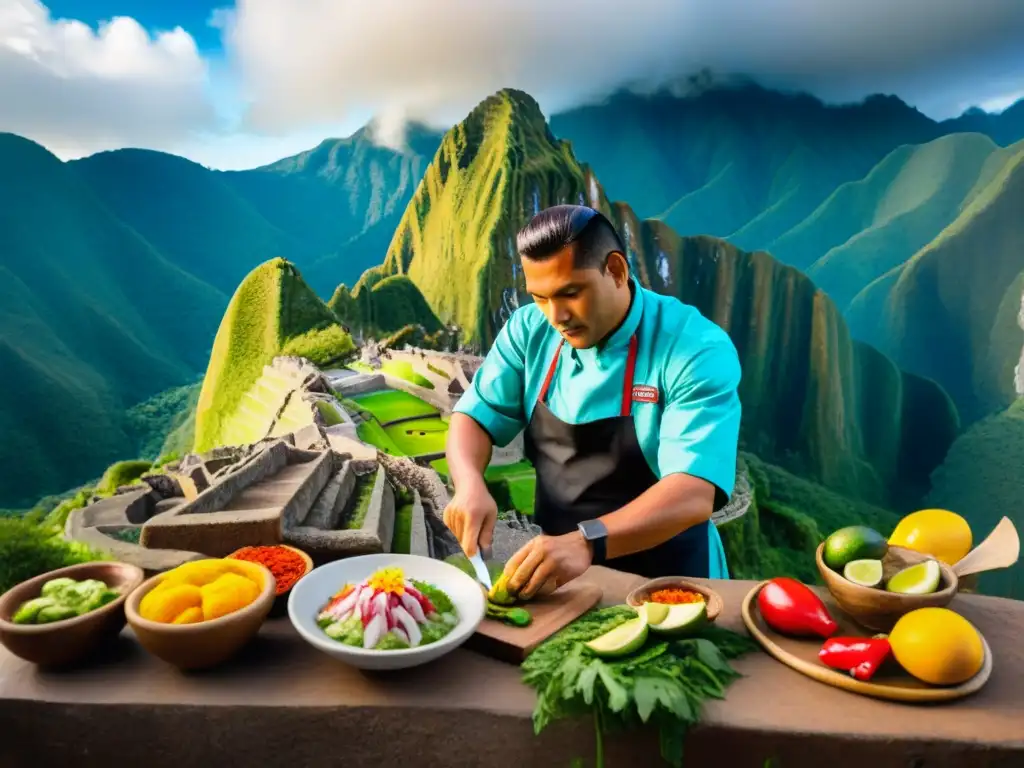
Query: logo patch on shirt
(642, 394)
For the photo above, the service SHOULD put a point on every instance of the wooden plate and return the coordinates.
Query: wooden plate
(890, 682)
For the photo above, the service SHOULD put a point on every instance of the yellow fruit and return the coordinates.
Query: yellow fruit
(940, 533)
(165, 605)
(189, 616)
(227, 594)
(937, 645)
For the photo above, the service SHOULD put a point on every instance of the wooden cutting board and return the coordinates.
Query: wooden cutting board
(551, 613)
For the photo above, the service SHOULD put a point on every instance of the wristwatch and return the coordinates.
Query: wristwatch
(595, 532)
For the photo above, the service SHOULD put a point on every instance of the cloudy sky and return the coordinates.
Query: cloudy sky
(235, 86)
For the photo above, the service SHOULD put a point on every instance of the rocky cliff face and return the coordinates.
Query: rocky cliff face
(814, 399)
(456, 241)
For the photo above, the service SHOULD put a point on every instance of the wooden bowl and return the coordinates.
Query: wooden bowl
(280, 606)
(205, 643)
(641, 594)
(65, 642)
(873, 607)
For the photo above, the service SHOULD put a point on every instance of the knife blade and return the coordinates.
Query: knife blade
(482, 574)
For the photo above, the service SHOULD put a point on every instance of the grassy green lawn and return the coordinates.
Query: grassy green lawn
(419, 437)
(404, 370)
(391, 404)
(359, 502)
(403, 530)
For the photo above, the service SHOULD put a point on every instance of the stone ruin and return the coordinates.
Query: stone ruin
(293, 489)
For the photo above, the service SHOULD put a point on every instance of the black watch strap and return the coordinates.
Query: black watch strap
(595, 532)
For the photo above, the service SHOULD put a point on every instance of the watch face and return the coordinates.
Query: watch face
(593, 529)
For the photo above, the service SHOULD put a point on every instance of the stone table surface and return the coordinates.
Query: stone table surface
(281, 702)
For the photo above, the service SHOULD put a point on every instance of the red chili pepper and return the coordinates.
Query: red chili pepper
(860, 656)
(791, 607)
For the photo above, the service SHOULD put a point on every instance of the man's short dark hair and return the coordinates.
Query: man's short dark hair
(559, 226)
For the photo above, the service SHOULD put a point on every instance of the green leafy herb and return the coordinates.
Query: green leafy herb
(664, 683)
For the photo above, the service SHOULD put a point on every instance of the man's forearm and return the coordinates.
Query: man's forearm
(667, 508)
(468, 450)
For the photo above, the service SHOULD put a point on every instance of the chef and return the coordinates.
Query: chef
(627, 400)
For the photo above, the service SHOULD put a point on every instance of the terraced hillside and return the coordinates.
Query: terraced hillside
(272, 312)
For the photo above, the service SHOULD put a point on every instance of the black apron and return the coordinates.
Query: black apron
(587, 470)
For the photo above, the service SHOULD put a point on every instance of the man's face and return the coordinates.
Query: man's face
(583, 304)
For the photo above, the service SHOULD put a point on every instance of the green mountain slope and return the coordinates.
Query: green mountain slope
(868, 227)
(379, 305)
(92, 320)
(815, 401)
(980, 480)
(272, 308)
(492, 172)
(188, 213)
(949, 312)
(745, 163)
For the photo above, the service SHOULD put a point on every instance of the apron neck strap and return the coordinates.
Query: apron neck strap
(627, 384)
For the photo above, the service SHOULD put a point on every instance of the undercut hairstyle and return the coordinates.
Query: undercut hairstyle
(557, 227)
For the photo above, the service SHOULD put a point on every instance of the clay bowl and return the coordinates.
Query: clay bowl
(641, 594)
(873, 607)
(280, 606)
(206, 643)
(66, 642)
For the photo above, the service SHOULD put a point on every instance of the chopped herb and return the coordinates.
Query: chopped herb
(665, 683)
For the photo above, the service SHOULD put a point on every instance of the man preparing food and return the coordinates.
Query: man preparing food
(629, 406)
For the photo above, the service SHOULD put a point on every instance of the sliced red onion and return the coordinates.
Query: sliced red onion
(408, 623)
(412, 605)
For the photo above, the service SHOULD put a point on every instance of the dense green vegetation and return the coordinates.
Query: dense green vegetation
(787, 519)
(122, 473)
(93, 319)
(981, 480)
(272, 307)
(359, 502)
(403, 529)
(492, 171)
(28, 549)
(321, 346)
(378, 306)
(152, 422)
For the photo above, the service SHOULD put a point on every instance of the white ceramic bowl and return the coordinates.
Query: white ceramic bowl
(309, 596)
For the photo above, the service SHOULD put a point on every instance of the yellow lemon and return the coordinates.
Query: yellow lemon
(937, 532)
(937, 645)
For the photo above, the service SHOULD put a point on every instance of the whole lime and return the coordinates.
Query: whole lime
(855, 542)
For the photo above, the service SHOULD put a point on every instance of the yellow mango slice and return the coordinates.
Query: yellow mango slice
(166, 604)
(197, 573)
(190, 616)
(227, 594)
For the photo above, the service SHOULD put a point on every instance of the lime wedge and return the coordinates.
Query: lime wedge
(920, 579)
(682, 618)
(654, 612)
(622, 640)
(867, 573)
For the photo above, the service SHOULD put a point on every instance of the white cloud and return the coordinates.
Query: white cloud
(78, 91)
(303, 61)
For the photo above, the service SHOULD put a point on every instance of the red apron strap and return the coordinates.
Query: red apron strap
(542, 397)
(627, 385)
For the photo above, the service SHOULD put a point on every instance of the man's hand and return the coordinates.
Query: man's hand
(545, 563)
(471, 515)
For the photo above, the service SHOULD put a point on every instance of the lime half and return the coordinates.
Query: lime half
(622, 640)
(920, 579)
(654, 612)
(867, 573)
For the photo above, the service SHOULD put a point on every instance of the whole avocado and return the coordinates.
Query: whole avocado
(854, 542)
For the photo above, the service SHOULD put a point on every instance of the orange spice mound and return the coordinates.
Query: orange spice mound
(674, 596)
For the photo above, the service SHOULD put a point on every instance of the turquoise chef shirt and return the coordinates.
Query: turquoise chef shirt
(694, 425)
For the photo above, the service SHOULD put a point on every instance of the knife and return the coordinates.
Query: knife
(482, 574)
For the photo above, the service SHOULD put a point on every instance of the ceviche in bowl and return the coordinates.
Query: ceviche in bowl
(386, 611)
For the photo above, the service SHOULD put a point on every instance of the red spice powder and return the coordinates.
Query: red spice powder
(675, 596)
(286, 565)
